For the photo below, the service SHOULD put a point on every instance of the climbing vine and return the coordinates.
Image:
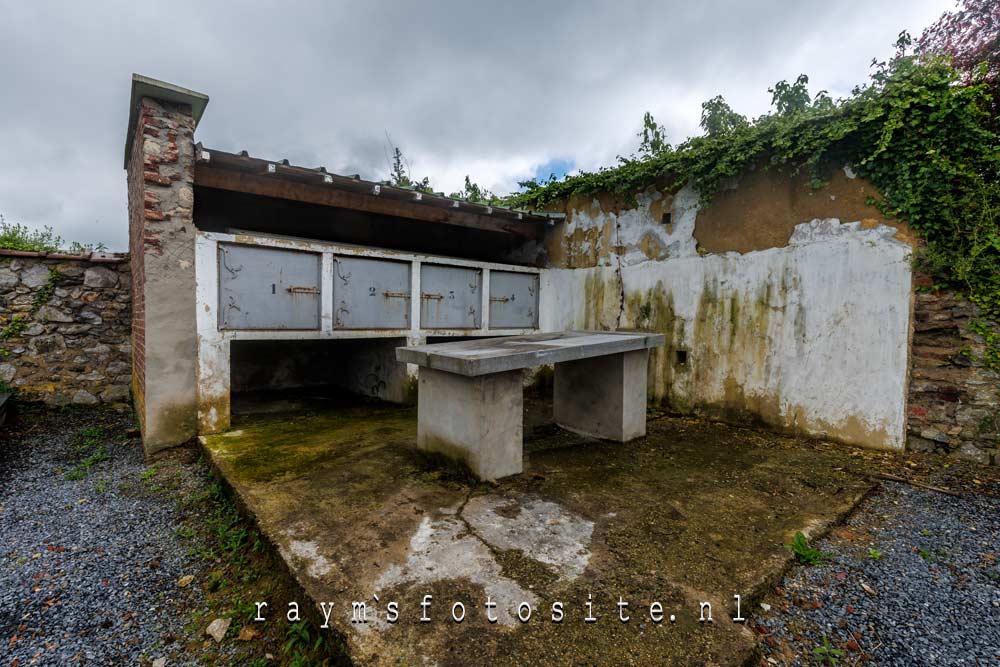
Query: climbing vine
(919, 130)
(15, 327)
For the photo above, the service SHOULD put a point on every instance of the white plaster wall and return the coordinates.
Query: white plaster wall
(811, 337)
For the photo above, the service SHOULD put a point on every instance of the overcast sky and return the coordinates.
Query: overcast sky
(498, 90)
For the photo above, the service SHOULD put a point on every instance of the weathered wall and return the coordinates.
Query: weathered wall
(810, 335)
(954, 401)
(161, 201)
(769, 204)
(74, 345)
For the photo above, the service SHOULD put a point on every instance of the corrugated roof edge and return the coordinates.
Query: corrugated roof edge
(243, 161)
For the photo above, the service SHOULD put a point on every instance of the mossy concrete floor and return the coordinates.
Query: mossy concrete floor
(695, 511)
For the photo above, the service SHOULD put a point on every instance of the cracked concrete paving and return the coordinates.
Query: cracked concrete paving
(693, 512)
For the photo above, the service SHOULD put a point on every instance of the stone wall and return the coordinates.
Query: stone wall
(69, 341)
(954, 402)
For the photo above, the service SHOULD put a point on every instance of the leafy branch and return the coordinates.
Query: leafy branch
(920, 131)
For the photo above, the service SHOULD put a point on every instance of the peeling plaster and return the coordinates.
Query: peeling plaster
(826, 229)
(811, 337)
(639, 233)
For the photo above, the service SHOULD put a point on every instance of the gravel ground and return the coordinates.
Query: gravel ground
(88, 568)
(928, 593)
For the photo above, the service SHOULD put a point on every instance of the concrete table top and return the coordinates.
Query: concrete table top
(496, 355)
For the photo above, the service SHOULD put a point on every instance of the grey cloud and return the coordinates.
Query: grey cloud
(492, 89)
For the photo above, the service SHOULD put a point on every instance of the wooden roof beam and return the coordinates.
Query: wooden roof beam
(308, 186)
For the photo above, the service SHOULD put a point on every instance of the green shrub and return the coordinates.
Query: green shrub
(14, 236)
(827, 654)
(804, 554)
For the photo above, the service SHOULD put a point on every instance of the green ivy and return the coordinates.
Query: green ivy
(15, 327)
(46, 291)
(920, 134)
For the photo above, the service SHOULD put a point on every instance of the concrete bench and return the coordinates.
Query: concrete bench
(470, 398)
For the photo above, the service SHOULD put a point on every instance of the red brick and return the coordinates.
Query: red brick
(155, 178)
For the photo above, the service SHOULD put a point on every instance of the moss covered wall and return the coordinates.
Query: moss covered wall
(807, 330)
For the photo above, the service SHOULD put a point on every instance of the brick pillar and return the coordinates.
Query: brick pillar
(159, 162)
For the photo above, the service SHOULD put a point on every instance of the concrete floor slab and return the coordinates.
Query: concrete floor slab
(694, 512)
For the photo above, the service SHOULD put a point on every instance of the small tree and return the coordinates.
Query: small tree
(718, 118)
(792, 98)
(399, 174)
(399, 171)
(970, 35)
(475, 193)
(789, 98)
(653, 138)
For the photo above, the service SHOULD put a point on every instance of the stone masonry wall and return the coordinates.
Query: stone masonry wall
(954, 402)
(69, 343)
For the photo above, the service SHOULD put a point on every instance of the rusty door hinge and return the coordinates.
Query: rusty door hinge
(298, 289)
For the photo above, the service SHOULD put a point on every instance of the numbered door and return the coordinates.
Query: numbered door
(267, 288)
(513, 300)
(370, 294)
(450, 297)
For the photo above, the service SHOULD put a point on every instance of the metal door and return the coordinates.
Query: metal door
(268, 288)
(513, 300)
(450, 297)
(371, 294)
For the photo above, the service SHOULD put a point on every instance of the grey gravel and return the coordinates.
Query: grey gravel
(87, 568)
(936, 586)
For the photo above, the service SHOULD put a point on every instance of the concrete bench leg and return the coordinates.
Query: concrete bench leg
(603, 397)
(476, 420)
